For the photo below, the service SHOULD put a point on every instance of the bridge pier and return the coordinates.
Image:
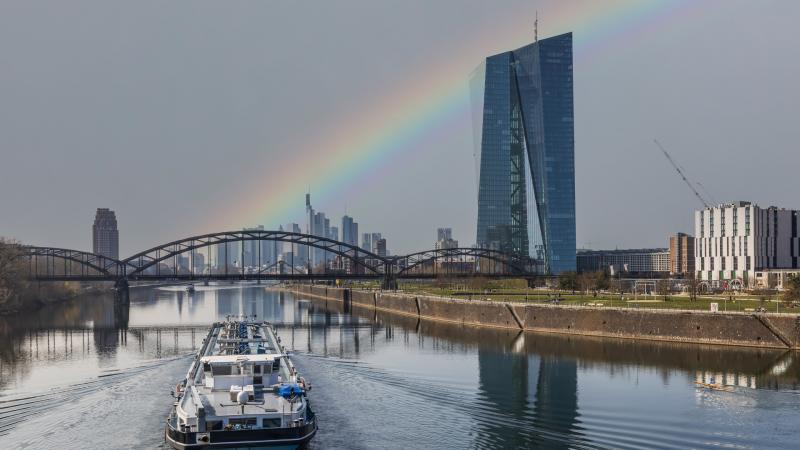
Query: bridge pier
(122, 292)
(389, 283)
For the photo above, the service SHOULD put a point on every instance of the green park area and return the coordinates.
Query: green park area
(603, 293)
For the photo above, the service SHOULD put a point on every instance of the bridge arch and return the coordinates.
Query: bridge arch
(137, 264)
(514, 262)
(103, 265)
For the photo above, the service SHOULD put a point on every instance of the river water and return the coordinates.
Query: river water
(92, 374)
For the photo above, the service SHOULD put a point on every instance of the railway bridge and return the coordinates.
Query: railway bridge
(176, 261)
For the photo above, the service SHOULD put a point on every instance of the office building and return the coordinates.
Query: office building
(444, 239)
(349, 231)
(681, 255)
(199, 261)
(375, 238)
(742, 244)
(333, 233)
(366, 242)
(105, 235)
(526, 177)
(647, 262)
(228, 255)
(251, 250)
(300, 253)
(380, 248)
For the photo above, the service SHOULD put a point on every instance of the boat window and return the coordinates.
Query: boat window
(246, 370)
(247, 422)
(276, 364)
(206, 367)
(272, 423)
(257, 370)
(214, 425)
(221, 370)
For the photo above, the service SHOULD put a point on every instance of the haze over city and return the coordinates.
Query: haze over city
(220, 116)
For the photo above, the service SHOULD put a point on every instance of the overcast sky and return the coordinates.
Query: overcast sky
(168, 112)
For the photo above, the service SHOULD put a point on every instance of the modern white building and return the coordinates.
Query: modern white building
(743, 244)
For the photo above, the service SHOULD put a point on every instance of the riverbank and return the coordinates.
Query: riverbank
(766, 330)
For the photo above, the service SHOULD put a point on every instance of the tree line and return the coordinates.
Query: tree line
(16, 291)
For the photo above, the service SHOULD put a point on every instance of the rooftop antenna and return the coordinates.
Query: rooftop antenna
(536, 27)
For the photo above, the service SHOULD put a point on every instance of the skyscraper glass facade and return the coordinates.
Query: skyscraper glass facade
(526, 172)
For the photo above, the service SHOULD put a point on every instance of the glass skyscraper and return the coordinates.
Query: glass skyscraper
(526, 173)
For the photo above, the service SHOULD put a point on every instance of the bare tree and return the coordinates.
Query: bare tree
(568, 281)
(791, 294)
(693, 285)
(12, 272)
(663, 287)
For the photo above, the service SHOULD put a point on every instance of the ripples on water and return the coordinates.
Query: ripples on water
(95, 375)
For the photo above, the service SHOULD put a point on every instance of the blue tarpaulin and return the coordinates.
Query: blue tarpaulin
(286, 390)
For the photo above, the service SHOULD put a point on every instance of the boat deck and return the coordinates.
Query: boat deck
(218, 403)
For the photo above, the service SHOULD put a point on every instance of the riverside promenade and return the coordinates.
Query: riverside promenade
(766, 330)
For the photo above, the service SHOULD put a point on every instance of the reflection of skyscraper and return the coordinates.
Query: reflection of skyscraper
(526, 194)
(542, 393)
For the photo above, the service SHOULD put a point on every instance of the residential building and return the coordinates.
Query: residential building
(526, 179)
(105, 234)
(681, 254)
(444, 234)
(634, 262)
(742, 244)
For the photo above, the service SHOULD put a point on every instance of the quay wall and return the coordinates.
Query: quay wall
(744, 329)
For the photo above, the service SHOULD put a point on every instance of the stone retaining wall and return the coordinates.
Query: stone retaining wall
(763, 330)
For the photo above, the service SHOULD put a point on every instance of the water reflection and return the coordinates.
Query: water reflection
(391, 381)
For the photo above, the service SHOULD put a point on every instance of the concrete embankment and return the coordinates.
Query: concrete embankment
(745, 329)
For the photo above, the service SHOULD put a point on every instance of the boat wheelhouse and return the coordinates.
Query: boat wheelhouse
(241, 391)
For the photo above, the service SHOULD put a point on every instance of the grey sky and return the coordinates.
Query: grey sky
(165, 111)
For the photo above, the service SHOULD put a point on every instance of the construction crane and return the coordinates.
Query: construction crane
(680, 172)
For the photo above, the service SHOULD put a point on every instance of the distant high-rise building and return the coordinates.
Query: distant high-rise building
(349, 230)
(105, 235)
(380, 248)
(681, 254)
(227, 254)
(366, 242)
(444, 233)
(526, 179)
(199, 261)
(251, 252)
(301, 252)
(333, 233)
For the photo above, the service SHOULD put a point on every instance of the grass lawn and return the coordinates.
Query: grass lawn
(741, 302)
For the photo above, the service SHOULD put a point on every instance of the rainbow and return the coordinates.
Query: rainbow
(365, 142)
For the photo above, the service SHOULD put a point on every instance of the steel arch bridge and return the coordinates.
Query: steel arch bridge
(163, 262)
(57, 264)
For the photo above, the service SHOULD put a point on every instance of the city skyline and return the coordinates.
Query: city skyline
(119, 122)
